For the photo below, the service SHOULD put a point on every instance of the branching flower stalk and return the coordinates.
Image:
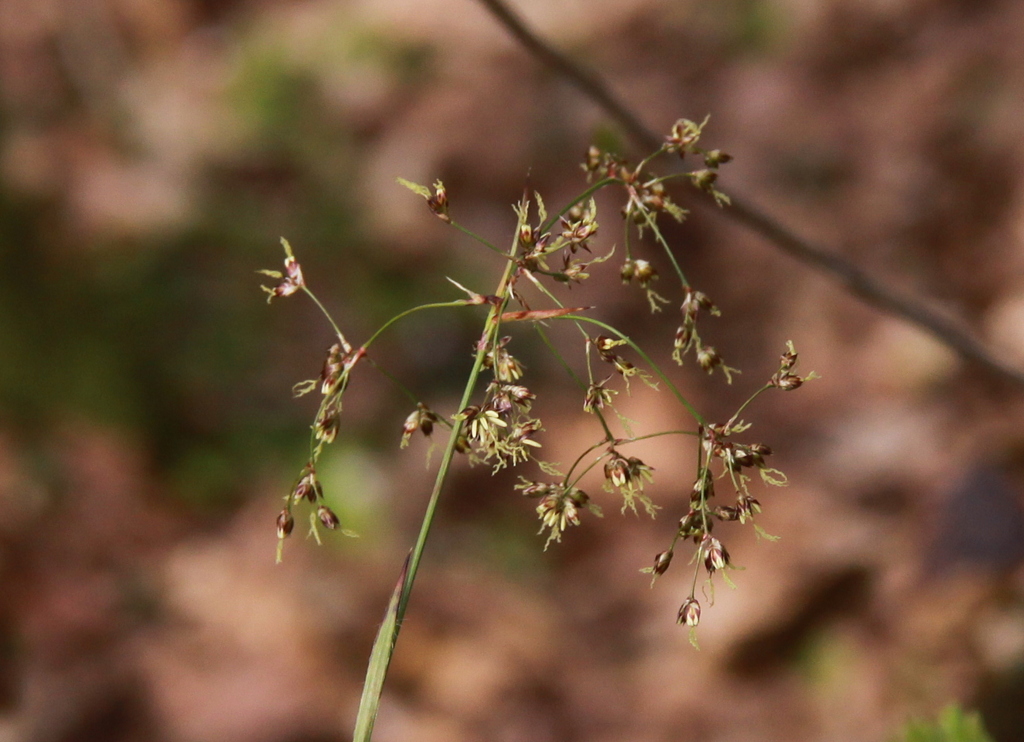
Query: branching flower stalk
(494, 423)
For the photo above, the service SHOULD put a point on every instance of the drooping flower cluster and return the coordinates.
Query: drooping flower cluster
(498, 426)
(559, 506)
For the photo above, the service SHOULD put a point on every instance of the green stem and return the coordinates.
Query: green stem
(647, 359)
(652, 223)
(326, 314)
(449, 451)
(574, 375)
(478, 238)
(407, 312)
(583, 196)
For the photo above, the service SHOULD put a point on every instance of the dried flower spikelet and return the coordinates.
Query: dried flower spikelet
(689, 613)
(327, 517)
(285, 524)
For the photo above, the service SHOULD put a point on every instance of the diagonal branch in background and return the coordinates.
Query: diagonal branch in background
(852, 278)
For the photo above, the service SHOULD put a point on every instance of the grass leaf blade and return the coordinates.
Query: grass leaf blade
(380, 658)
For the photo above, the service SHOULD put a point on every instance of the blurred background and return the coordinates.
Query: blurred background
(153, 151)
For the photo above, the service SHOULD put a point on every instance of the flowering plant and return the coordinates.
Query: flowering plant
(494, 423)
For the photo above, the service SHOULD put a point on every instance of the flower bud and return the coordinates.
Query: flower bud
(689, 612)
(331, 373)
(704, 179)
(644, 272)
(727, 512)
(526, 235)
(578, 497)
(617, 470)
(536, 489)
(708, 358)
(661, 562)
(438, 203)
(715, 555)
(306, 488)
(285, 524)
(690, 523)
(328, 423)
(327, 517)
(627, 271)
(716, 157)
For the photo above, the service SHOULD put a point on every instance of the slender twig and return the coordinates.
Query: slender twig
(852, 278)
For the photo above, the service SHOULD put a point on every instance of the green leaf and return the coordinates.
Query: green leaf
(953, 726)
(380, 659)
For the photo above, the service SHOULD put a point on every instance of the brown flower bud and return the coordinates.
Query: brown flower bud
(708, 358)
(627, 271)
(285, 524)
(305, 489)
(535, 489)
(644, 272)
(617, 470)
(690, 523)
(715, 555)
(716, 157)
(689, 612)
(704, 179)
(787, 382)
(727, 512)
(661, 562)
(327, 517)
